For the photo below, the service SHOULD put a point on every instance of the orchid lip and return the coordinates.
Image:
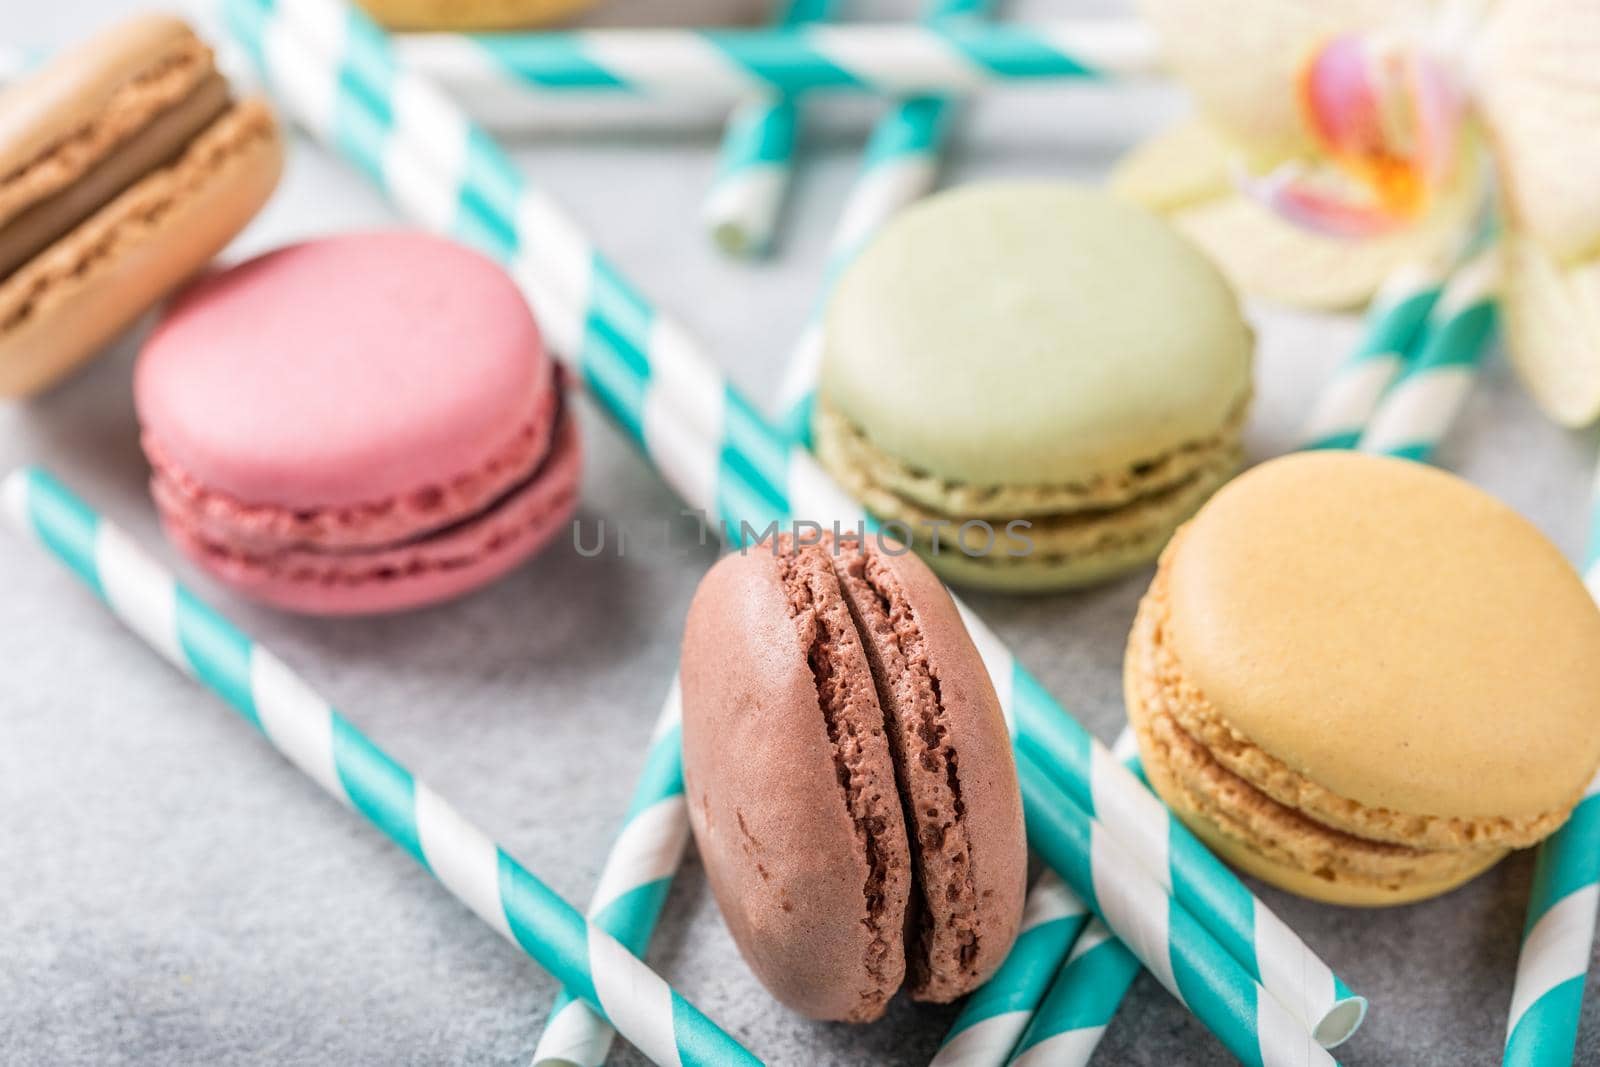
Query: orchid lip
(1295, 195)
(1385, 117)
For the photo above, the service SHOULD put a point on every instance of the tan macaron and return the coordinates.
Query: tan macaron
(1364, 680)
(125, 165)
(471, 14)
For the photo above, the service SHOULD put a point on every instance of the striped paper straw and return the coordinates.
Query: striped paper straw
(1124, 809)
(997, 1012)
(705, 439)
(1547, 998)
(892, 59)
(1091, 984)
(333, 753)
(1394, 324)
(1161, 932)
(633, 886)
(757, 161)
(1081, 1002)
(901, 166)
(1415, 414)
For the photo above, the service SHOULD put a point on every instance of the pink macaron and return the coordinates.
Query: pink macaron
(358, 424)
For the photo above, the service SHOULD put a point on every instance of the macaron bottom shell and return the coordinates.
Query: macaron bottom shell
(463, 556)
(1038, 538)
(1300, 882)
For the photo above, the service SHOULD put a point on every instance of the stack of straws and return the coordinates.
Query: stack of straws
(1158, 892)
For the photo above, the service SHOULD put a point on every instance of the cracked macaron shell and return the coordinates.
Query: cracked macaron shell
(772, 794)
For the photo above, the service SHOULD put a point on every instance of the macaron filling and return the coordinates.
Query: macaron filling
(856, 730)
(944, 964)
(891, 736)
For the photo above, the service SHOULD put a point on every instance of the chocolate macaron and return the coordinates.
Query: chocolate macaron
(1365, 680)
(125, 165)
(850, 779)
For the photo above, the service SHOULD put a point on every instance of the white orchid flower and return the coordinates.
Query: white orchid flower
(1337, 140)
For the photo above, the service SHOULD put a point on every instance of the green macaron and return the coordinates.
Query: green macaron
(1035, 383)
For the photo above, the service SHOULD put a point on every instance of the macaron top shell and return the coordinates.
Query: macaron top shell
(1392, 634)
(1028, 333)
(409, 360)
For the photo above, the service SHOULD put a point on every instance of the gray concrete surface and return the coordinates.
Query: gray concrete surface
(174, 893)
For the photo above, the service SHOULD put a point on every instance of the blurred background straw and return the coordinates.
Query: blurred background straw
(757, 159)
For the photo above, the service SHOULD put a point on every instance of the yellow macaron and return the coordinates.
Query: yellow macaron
(471, 14)
(1365, 680)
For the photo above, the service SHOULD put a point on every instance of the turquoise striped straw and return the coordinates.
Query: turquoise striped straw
(901, 166)
(757, 159)
(1395, 322)
(892, 59)
(997, 1013)
(1081, 1002)
(333, 753)
(1089, 986)
(1416, 412)
(1094, 781)
(1547, 997)
(633, 886)
(1161, 932)
(336, 71)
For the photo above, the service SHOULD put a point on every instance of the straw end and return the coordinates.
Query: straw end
(1340, 1022)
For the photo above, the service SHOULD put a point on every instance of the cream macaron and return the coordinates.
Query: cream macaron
(1046, 378)
(1364, 680)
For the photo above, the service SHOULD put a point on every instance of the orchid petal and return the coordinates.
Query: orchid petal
(1181, 166)
(1539, 90)
(1184, 174)
(1552, 323)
